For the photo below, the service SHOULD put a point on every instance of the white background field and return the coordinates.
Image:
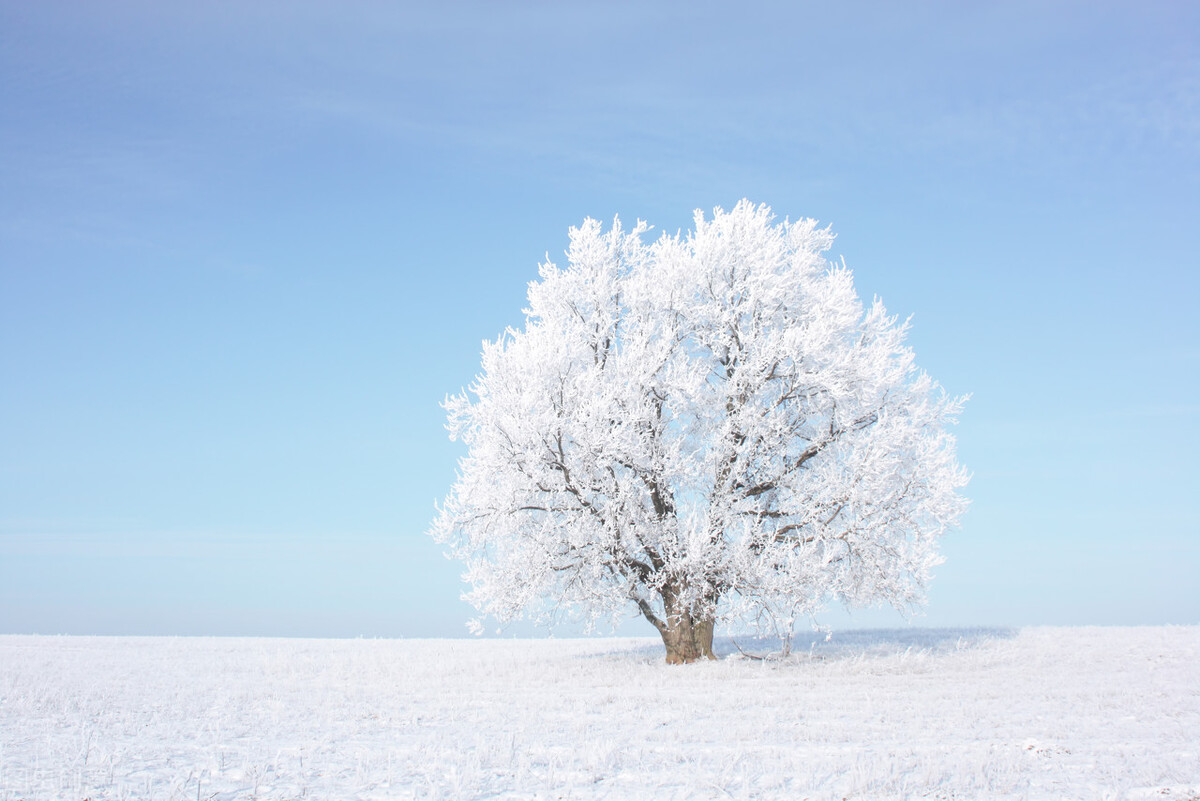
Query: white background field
(1088, 713)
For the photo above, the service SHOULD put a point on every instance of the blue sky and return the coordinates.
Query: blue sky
(246, 249)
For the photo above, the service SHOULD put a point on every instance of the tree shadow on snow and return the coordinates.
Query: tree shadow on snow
(834, 646)
(853, 643)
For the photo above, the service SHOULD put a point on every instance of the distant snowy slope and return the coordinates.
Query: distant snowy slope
(1083, 713)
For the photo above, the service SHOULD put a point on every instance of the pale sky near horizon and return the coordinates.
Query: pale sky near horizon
(246, 249)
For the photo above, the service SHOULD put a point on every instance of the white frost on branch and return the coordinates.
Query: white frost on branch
(712, 418)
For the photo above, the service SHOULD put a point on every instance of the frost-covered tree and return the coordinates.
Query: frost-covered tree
(709, 427)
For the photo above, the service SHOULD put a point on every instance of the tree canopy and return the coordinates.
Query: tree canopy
(709, 427)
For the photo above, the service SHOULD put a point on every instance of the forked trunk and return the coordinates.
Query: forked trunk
(687, 639)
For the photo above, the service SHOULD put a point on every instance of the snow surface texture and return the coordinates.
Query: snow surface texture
(1089, 713)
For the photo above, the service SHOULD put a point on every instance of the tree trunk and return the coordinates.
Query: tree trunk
(686, 633)
(687, 639)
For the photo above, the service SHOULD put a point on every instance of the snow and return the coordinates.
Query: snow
(1089, 713)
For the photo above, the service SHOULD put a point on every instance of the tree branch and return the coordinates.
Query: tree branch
(648, 613)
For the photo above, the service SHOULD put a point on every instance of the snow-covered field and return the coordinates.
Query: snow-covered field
(1089, 713)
